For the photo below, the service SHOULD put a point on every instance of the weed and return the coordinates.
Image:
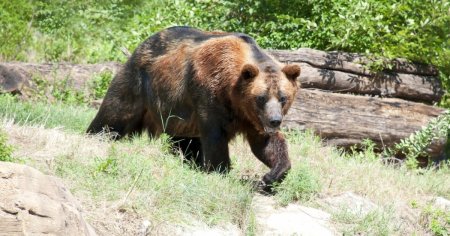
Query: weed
(5, 149)
(108, 165)
(100, 84)
(417, 144)
(55, 91)
(436, 220)
(63, 91)
(366, 151)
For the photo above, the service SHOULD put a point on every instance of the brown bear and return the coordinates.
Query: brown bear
(202, 89)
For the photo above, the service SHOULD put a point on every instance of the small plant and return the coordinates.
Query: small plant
(368, 151)
(63, 91)
(417, 144)
(301, 184)
(436, 220)
(109, 165)
(59, 90)
(5, 149)
(100, 84)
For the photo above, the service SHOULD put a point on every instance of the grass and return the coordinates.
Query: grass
(70, 117)
(139, 177)
(157, 185)
(376, 222)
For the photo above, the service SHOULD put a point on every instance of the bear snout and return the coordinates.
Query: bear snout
(275, 122)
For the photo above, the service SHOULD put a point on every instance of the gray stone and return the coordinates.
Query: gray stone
(32, 203)
(10, 80)
(290, 220)
(350, 202)
(442, 203)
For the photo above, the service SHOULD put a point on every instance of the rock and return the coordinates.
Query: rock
(10, 80)
(32, 203)
(442, 203)
(290, 220)
(350, 202)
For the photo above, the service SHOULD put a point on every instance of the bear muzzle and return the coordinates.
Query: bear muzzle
(273, 116)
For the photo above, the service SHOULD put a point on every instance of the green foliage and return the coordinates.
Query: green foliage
(15, 27)
(94, 31)
(5, 149)
(56, 91)
(417, 144)
(300, 184)
(108, 165)
(366, 151)
(100, 84)
(436, 220)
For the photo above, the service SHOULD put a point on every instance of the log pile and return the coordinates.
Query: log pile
(341, 99)
(344, 102)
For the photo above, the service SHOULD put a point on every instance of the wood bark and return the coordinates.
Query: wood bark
(77, 74)
(345, 120)
(348, 73)
(348, 62)
(410, 87)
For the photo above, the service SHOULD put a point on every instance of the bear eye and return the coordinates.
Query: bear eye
(283, 99)
(261, 100)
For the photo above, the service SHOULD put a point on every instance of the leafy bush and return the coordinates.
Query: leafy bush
(94, 31)
(417, 144)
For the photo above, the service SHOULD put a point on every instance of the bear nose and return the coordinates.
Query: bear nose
(275, 122)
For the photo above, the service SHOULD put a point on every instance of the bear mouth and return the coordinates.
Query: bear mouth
(271, 130)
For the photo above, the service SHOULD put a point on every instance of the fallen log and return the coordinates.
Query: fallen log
(345, 120)
(349, 62)
(348, 73)
(419, 88)
(77, 74)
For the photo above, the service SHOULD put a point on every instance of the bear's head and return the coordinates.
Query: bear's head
(266, 92)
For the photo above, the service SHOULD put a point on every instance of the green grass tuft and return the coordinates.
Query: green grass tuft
(301, 184)
(71, 117)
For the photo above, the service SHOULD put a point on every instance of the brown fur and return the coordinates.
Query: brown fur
(203, 88)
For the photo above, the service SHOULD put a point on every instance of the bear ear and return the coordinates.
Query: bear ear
(249, 71)
(292, 71)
